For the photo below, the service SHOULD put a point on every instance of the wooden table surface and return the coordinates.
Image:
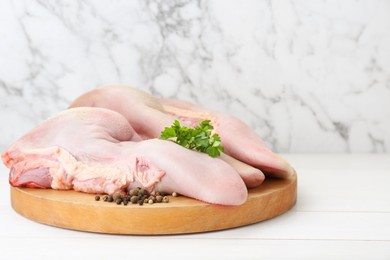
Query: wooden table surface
(342, 212)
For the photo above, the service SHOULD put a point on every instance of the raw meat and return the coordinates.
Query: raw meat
(149, 115)
(96, 150)
(142, 110)
(239, 140)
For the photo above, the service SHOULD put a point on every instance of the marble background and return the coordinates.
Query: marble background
(309, 76)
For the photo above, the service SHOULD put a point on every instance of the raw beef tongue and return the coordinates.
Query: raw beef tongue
(96, 150)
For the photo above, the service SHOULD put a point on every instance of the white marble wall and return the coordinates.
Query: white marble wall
(309, 76)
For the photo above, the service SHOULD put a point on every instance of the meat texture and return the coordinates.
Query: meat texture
(239, 140)
(243, 147)
(96, 150)
(108, 141)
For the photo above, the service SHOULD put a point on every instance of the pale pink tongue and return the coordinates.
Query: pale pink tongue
(31, 178)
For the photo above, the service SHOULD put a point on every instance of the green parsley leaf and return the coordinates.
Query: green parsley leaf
(198, 138)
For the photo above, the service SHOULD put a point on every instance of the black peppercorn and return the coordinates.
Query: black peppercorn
(134, 199)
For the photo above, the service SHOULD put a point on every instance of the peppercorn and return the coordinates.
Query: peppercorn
(116, 195)
(133, 192)
(138, 195)
(134, 199)
(142, 192)
(159, 198)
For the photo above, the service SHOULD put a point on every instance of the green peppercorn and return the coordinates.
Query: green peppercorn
(97, 197)
(165, 199)
(174, 194)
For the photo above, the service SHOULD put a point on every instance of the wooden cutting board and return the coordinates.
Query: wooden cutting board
(80, 211)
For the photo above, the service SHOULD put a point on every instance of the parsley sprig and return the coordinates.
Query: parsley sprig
(198, 138)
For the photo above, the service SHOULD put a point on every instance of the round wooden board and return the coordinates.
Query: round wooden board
(79, 211)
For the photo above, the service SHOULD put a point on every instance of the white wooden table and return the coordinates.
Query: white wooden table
(342, 212)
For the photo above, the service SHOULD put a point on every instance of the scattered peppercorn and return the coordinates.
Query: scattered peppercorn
(116, 196)
(159, 198)
(138, 196)
(134, 199)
